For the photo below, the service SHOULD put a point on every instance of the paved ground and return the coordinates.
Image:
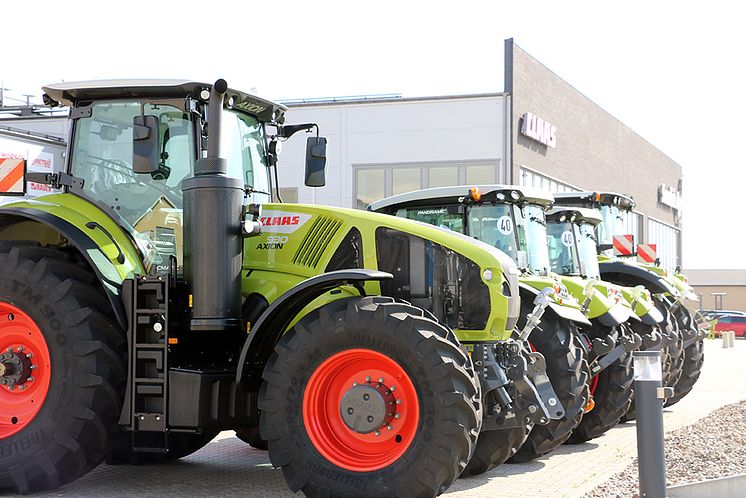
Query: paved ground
(227, 467)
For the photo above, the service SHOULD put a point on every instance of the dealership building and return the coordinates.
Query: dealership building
(540, 131)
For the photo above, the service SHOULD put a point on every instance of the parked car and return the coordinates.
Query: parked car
(736, 323)
(719, 313)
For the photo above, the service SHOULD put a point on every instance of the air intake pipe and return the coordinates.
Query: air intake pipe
(212, 231)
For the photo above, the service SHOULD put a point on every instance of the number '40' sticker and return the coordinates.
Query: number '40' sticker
(567, 238)
(505, 225)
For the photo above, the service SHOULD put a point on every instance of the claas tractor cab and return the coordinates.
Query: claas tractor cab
(511, 219)
(163, 297)
(684, 348)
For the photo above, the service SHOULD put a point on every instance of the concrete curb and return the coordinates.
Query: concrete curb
(725, 487)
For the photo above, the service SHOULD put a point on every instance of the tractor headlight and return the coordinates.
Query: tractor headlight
(487, 275)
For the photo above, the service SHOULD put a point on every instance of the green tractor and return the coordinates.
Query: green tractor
(685, 348)
(512, 220)
(161, 298)
(573, 253)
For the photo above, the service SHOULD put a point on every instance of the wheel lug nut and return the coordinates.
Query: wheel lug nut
(29, 355)
(392, 388)
(389, 427)
(33, 367)
(377, 433)
(380, 380)
(30, 379)
(398, 401)
(397, 416)
(20, 348)
(367, 378)
(354, 384)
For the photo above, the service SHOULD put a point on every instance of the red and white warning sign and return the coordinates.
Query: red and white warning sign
(11, 176)
(647, 252)
(624, 245)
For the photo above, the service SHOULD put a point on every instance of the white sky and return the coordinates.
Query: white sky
(672, 71)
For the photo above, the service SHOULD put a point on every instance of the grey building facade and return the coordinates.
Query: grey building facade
(589, 149)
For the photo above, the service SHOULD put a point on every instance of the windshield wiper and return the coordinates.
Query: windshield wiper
(538, 220)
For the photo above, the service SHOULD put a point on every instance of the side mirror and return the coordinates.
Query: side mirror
(12, 176)
(316, 161)
(145, 144)
(605, 247)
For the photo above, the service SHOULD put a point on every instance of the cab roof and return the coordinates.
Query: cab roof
(70, 93)
(582, 215)
(596, 198)
(438, 196)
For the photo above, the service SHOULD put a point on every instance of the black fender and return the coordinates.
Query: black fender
(628, 275)
(271, 325)
(528, 293)
(102, 266)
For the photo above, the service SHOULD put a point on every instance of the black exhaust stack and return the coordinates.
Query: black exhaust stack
(212, 232)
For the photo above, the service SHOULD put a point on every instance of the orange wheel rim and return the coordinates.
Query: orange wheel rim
(361, 410)
(24, 370)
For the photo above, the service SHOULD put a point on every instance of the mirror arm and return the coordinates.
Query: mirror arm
(288, 131)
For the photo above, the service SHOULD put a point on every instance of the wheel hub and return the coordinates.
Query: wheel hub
(15, 368)
(368, 407)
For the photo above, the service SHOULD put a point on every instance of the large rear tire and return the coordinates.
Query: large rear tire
(567, 369)
(694, 357)
(612, 391)
(332, 357)
(54, 309)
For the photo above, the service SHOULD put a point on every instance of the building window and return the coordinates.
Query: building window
(666, 239)
(376, 182)
(443, 176)
(480, 175)
(371, 186)
(406, 180)
(289, 194)
(531, 178)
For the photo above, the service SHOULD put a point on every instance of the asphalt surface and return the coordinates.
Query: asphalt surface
(229, 468)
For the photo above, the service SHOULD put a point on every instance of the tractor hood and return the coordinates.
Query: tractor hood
(306, 240)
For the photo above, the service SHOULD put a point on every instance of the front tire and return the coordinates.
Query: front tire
(612, 391)
(568, 372)
(334, 357)
(54, 309)
(495, 448)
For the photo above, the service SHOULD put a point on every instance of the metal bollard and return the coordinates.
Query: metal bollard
(649, 396)
(728, 338)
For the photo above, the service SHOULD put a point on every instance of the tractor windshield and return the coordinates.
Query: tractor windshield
(563, 253)
(519, 232)
(532, 237)
(148, 205)
(612, 224)
(242, 143)
(586, 239)
(494, 225)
